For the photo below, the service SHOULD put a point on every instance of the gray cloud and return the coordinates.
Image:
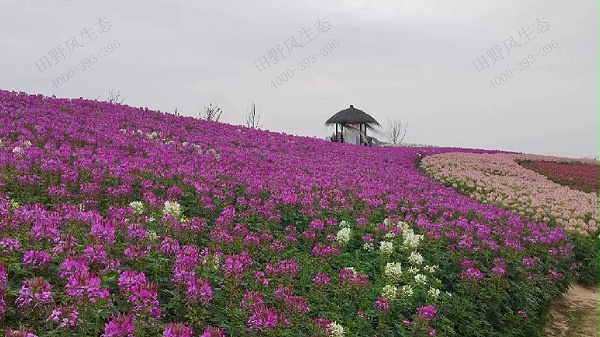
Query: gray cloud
(410, 59)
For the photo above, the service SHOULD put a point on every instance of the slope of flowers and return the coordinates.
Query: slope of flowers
(580, 176)
(498, 179)
(117, 221)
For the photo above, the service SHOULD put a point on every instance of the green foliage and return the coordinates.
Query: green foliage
(586, 255)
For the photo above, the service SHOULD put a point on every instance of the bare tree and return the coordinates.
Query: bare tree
(211, 112)
(395, 130)
(252, 117)
(115, 97)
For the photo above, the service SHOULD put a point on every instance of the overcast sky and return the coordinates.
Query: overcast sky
(431, 63)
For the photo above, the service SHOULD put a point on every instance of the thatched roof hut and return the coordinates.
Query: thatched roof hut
(353, 119)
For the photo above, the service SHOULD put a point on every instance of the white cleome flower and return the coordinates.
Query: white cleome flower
(413, 270)
(389, 235)
(433, 292)
(13, 204)
(336, 330)
(407, 291)
(405, 227)
(17, 149)
(152, 236)
(430, 269)
(420, 278)
(389, 292)
(213, 261)
(412, 240)
(369, 246)
(393, 270)
(415, 258)
(386, 247)
(344, 224)
(172, 208)
(343, 236)
(138, 207)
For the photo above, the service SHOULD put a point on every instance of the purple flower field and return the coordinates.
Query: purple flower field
(122, 221)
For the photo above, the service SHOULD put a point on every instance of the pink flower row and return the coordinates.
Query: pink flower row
(498, 179)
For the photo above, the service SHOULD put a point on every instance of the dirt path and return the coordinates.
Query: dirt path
(576, 314)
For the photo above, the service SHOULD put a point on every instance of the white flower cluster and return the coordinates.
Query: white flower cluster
(195, 146)
(336, 330)
(389, 292)
(152, 135)
(413, 270)
(407, 291)
(415, 258)
(418, 274)
(433, 292)
(13, 204)
(368, 246)
(343, 236)
(404, 225)
(393, 270)
(213, 261)
(344, 224)
(389, 235)
(138, 207)
(420, 278)
(172, 208)
(152, 236)
(215, 153)
(411, 240)
(386, 247)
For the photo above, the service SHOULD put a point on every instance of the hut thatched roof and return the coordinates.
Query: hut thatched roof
(352, 115)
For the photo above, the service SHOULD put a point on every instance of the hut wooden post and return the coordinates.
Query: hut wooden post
(360, 134)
